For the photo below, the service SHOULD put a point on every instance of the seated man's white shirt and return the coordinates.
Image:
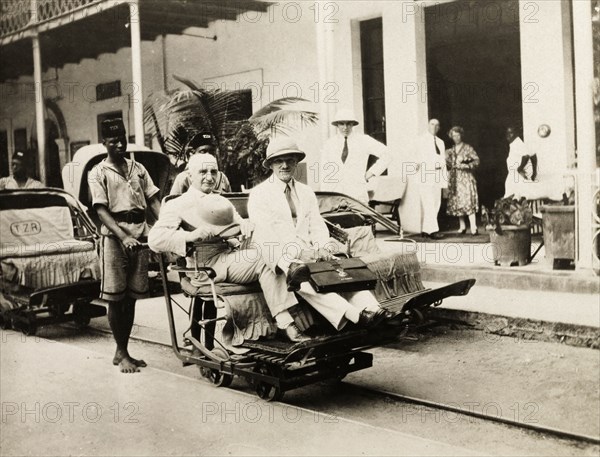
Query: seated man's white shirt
(9, 183)
(276, 230)
(280, 241)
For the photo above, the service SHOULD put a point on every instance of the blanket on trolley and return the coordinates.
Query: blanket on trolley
(38, 249)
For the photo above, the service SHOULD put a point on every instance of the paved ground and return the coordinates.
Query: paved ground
(79, 407)
(105, 413)
(549, 379)
(167, 410)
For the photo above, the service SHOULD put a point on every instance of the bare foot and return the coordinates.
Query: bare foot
(127, 365)
(138, 362)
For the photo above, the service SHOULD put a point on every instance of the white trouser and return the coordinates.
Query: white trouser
(333, 306)
(431, 200)
(246, 266)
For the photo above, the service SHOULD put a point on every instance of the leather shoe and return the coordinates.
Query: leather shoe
(297, 274)
(370, 319)
(293, 333)
(433, 236)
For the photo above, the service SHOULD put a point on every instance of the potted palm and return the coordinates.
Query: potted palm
(509, 224)
(175, 117)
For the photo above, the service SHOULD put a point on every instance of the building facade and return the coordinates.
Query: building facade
(484, 65)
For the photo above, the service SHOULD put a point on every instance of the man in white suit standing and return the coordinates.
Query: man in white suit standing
(290, 232)
(432, 178)
(345, 157)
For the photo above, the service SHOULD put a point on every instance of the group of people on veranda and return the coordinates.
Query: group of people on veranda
(452, 171)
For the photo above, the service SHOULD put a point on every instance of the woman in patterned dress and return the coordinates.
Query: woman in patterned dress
(462, 160)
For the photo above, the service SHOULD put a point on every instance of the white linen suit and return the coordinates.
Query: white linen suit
(432, 176)
(280, 240)
(349, 177)
(241, 267)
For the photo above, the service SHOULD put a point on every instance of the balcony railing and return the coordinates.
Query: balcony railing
(17, 15)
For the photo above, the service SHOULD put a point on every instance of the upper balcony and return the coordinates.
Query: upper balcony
(71, 30)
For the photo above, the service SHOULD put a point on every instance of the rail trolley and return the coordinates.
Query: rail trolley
(272, 365)
(49, 268)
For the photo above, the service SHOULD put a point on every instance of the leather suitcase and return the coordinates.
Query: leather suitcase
(341, 275)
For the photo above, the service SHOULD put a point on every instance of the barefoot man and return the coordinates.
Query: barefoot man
(121, 189)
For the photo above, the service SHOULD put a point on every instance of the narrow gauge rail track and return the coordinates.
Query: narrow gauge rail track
(361, 390)
(366, 391)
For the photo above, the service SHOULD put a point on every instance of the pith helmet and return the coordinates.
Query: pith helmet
(282, 146)
(345, 115)
(217, 212)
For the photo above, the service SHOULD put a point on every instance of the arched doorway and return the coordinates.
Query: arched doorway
(56, 143)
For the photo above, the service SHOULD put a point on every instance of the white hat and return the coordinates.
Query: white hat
(280, 146)
(344, 115)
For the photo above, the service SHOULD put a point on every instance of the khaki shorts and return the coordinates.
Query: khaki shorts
(124, 273)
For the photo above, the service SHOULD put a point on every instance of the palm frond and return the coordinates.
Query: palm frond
(283, 121)
(176, 116)
(188, 82)
(276, 105)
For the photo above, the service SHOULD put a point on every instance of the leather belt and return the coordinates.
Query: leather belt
(129, 217)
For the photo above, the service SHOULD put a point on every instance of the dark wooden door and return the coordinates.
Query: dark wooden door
(371, 44)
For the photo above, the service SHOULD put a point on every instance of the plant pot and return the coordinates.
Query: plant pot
(513, 247)
(559, 234)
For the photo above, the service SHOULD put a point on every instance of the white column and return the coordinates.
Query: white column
(322, 58)
(586, 141)
(330, 77)
(547, 82)
(405, 97)
(136, 68)
(39, 106)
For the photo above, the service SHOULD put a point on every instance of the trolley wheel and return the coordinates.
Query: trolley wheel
(266, 391)
(25, 324)
(217, 377)
(80, 317)
(415, 316)
(339, 371)
(4, 321)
